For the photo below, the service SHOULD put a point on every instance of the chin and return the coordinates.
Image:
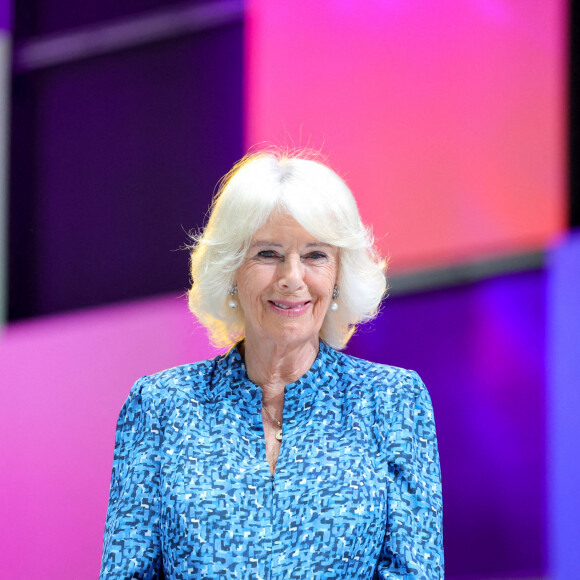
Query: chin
(293, 335)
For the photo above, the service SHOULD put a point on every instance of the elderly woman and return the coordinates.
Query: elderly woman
(283, 458)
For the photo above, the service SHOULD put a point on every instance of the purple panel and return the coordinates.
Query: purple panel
(114, 159)
(35, 17)
(564, 409)
(5, 14)
(480, 350)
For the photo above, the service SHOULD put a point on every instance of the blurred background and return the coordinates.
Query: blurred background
(455, 123)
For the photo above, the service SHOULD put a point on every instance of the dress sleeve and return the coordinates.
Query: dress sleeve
(413, 544)
(131, 546)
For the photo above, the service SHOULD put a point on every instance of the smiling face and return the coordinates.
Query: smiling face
(285, 283)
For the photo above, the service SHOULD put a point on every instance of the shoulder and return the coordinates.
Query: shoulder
(197, 382)
(384, 381)
(396, 398)
(397, 401)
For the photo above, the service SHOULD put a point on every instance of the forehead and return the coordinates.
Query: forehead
(283, 228)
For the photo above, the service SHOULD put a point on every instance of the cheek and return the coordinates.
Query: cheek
(324, 282)
(252, 282)
(329, 278)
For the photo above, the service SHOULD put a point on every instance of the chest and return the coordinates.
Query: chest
(214, 463)
(326, 502)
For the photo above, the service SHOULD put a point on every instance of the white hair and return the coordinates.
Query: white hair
(319, 200)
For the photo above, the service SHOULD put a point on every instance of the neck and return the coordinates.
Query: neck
(273, 366)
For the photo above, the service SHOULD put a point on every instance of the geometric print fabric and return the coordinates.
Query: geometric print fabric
(356, 493)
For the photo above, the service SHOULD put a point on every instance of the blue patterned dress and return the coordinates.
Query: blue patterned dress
(356, 493)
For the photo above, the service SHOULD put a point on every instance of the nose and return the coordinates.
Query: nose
(291, 274)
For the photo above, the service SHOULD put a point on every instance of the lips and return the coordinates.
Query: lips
(288, 305)
(289, 309)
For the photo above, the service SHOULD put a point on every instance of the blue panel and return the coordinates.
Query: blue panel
(564, 409)
(480, 349)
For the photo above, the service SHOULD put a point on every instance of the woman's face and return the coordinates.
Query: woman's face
(285, 283)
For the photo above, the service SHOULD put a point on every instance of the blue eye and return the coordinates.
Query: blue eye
(267, 254)
(317, 256)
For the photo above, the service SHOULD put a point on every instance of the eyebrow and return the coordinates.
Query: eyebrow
(261, 243)
(264, 243)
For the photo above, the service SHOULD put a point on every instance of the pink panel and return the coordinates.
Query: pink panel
(64, 380)
(446, 118)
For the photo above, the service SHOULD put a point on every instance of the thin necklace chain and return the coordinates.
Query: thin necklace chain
(279, 423)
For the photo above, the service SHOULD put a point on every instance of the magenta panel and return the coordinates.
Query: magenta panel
(447, 118)
(64, 380)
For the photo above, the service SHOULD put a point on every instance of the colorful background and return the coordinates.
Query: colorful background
(450, 122)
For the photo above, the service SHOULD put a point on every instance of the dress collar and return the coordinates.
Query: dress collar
(298, 396)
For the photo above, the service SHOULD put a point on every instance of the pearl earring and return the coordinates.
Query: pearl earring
(232, 303)
(334, 304)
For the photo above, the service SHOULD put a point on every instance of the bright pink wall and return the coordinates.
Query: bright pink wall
(446, 118)
(64, 380)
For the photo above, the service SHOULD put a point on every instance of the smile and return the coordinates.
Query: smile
(287, 305)
(290, 309)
